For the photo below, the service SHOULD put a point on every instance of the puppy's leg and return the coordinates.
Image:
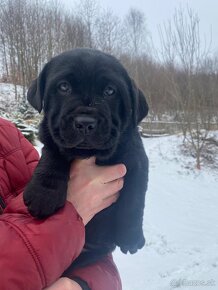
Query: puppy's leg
(46, 192)
(129, 219)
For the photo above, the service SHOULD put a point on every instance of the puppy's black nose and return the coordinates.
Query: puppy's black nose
(85, 124)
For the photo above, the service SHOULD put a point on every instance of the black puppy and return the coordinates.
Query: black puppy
(91, 108)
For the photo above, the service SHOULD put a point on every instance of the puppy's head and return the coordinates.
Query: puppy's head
(89, 100)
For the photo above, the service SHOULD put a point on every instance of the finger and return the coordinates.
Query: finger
(112, 187)
(108, 201)
(113, 197)
(57, 285)
(64, 283)
(111, 173)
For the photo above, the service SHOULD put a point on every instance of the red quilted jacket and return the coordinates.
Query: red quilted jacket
(34, 253)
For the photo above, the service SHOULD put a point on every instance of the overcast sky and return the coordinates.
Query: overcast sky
(158, 11)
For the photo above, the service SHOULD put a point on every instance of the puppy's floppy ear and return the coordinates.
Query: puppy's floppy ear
(35, 92)
(140, 106)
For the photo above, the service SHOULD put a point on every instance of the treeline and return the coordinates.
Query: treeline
(180, 77)
(33, 31)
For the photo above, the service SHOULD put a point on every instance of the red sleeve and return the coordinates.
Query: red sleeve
(101, 275)
(34, 253)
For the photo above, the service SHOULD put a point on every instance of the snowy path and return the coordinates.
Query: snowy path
(180, 225)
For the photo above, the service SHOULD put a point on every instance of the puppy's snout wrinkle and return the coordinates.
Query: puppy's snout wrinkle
(85, 125)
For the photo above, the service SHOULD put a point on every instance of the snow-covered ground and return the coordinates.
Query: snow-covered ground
(7, 97)
(180, 225)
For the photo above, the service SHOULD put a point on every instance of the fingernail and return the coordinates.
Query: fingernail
(122, 169)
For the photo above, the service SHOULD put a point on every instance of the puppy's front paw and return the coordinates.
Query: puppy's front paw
(42, 202)
(131, 241)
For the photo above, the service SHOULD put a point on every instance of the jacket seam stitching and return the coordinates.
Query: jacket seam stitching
(31, 251)
(10, 152)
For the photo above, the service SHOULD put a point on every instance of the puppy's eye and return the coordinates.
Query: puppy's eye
(64, 87)
(109, 91)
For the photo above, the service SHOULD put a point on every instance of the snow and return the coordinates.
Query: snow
(9, 106)
(7, 90)
(180, 224)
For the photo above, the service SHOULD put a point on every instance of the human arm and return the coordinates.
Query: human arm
(23, 225)
(32, 251)
(31, 255)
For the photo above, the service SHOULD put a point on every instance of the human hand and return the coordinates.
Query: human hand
(91, 188)
(64, 284)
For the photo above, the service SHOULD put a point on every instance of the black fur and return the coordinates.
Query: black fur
(112, 137)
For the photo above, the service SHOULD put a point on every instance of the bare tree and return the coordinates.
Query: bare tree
(184, 52)
(108, 33)
(135, 31)
(88, 12)
(31, 32)
(74, 32)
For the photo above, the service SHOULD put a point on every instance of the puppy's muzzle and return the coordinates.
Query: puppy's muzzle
(85, 125)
